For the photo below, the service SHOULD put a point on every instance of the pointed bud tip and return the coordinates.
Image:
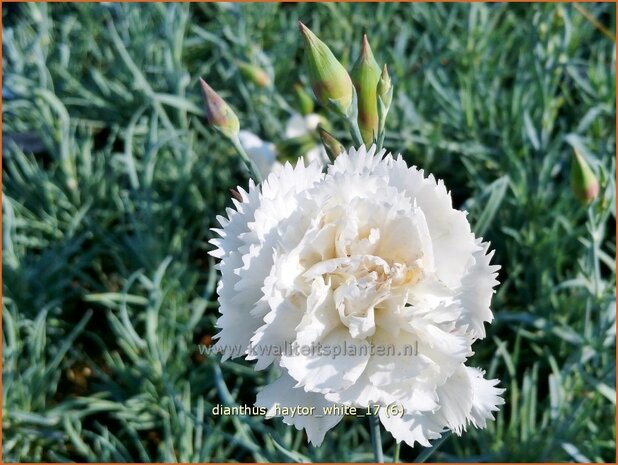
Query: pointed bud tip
(308, 34)
(205, 87)
(210, 96)
(384, 84)
(304, 29)
(311, 39)
(366, 52)
(218, 112)
(584, 182)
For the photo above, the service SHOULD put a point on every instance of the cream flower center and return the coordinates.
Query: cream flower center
(366, 256)
(360, 283)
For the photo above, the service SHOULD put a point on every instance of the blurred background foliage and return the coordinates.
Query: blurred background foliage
(111, 182)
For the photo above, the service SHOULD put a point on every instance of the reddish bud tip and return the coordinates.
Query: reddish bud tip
(218, 112)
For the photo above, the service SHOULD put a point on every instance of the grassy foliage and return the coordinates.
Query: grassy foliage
(111, 182)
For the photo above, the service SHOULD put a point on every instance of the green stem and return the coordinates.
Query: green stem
(380, 143)
(249, 163)
(376, 439)
(351, 117)
(396, 453)
(382, 114)
(355, 131)
(595, 245)
(428, 451)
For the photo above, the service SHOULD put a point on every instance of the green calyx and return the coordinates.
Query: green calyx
(333, 147)
(366, 76)
(385, 88)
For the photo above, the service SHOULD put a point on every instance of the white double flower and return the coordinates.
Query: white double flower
(370, 253)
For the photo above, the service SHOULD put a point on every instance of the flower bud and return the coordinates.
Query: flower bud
(333, 146)
(255, 74)
(365, 76)
(219, 114)
(304, 102)
(385, 88)
(329, 80)
(584, 183)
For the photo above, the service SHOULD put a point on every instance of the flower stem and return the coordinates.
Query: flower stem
(380, 143)
(428, 451)
(355, 131)
(595, 246)
(351, 118)
(249, 163)
(396, 453)
(376, 440)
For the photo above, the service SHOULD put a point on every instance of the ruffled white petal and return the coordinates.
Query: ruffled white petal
(450, 231)
(358, 161)
(466, 397)
(323, 368)
(485, 397)
(235, 323)
(477, 289)
(282, 393)
(412, 428)
(273, 337)
(396, 366)
(411, 394)
(321, 315)
(455, 401)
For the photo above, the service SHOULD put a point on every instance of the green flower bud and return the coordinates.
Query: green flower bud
(385, 98)
(304, 101)
(333, 147)
(329, 80)
(385, 88)
(584, 183)
(365, 76)
(219, 114)
(255, 74)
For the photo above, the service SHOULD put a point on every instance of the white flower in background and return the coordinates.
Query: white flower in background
(298, 126)
(264, 154)
(371, 253)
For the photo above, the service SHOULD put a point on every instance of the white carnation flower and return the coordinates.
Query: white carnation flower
(366, 256)
(299, 125)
